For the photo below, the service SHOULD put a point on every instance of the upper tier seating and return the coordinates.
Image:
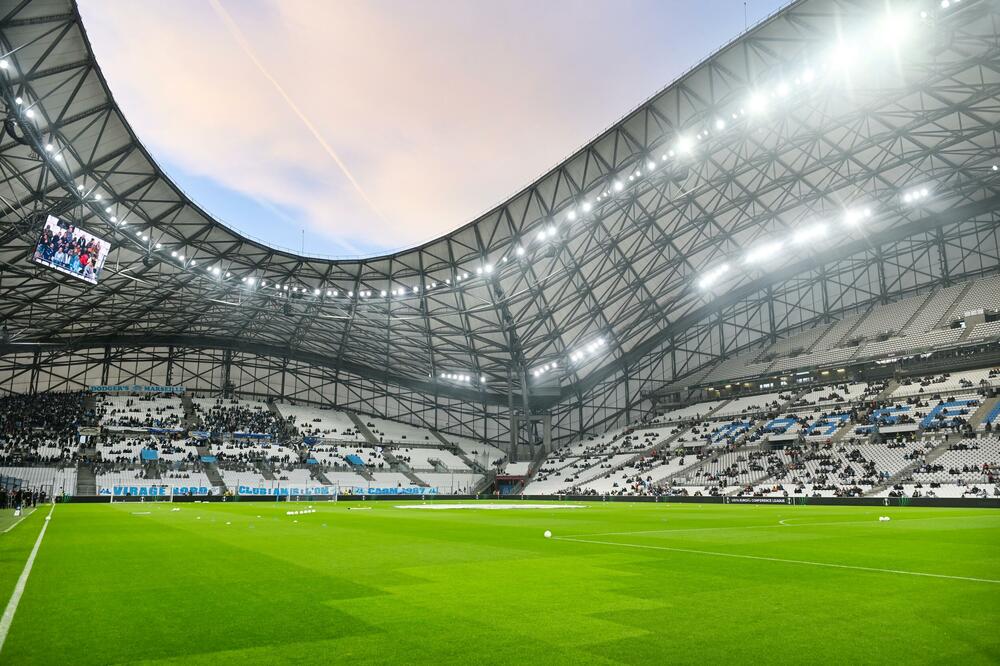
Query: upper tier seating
(984, 294)
(934, 309)
(399, 433)
(889, 318)
(986, 329)
(236, 415)
(139, 412)
(325, 423)
(965, 382)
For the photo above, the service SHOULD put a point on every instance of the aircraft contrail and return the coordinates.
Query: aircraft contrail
(245, 45)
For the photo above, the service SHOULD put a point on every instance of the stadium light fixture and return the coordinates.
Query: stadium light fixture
(488, 268)
(29, 113)
(720, 124)
(763, 252)
(571, 215)
(587, 206)
(519, 251)
(650, 165)
(684, 144)
(895, 28)
(854, 217)
(809, 234)
(619, 185)
(316, 292)
(4, 64)
(842, 56)
(384, 293)
(712, 277)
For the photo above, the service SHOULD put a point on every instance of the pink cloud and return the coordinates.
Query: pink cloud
(440, 110)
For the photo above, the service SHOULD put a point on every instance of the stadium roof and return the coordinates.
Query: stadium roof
(831, 133)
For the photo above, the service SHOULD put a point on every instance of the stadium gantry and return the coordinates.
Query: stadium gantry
(831, 159)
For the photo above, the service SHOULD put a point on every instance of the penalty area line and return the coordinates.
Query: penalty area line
(780, 559)
(15, 598)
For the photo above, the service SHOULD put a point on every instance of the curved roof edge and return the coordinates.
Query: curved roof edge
(482, 217)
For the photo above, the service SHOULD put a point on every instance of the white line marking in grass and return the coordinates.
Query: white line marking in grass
(18, 521)
(780, 523)
(15, 598)
(779, 559)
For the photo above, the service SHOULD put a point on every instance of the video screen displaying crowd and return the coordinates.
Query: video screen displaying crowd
(69, 249)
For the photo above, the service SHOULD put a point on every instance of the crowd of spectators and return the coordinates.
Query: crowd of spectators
(229, 415)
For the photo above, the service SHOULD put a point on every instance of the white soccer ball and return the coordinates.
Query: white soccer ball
(48, 517)
(883, 519)
(548, 534)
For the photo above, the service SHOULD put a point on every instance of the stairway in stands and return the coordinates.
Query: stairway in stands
(945, 320)
(398, 465)
(905, 473)
(190, 418)
(265, 470)
(469, 462)
(86, 480)
(659, 446)
(320, 476)
(211, 469)
(889, 389)
(984, 410)
(360, 426)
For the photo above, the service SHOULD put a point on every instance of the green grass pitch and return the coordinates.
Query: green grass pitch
(670, 583)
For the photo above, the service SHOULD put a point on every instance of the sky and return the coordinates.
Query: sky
(353, 128)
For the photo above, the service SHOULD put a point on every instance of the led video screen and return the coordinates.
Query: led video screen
(68, 249)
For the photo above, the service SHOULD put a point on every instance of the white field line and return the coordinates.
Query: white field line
(780, 523)
(17, 522)
(15, 598)
(779, 559)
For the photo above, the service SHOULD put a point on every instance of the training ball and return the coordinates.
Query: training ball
(883, 519)
(548, 534)
(48, 517)
(228, 523)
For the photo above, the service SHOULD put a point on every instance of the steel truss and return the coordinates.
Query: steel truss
(626, 270)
